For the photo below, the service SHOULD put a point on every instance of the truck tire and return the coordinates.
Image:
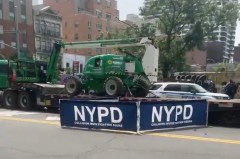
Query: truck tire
(142, 88)
(73, 86)
(114, 87)
(25, 100)
(10, 99)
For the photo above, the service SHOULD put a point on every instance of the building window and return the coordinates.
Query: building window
(48, 28)
(99, 27)
(99, 50)
(108, 3)
(48, 45)
(38, 43)
(89, 37)
(11, 10)
(23, 2)
(43, 44)
(1, 16)
(89, 51)
(2, 46)
(108, 16)
(24, 46)
(76, 24)
(13, 36)
(42, 26)
(1, 29)
(76, 36)
(65, 24)
(11, 16)
(99, 1)
(23, 9)
(52, 29)
(23, 18)
(13, 44)
(89, 24)
(1, 38)
(99, 13)
(67, 65)
(37, 26)
(57, 29)
(108, 51)
(24, 37)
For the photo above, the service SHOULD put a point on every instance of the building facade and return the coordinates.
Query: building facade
(16, 28)
(47, 27)
(85, 20)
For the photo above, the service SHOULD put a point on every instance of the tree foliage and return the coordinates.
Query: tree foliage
(199, 17)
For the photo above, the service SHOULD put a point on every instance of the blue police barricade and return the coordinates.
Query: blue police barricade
(173, 114)
(99, 115)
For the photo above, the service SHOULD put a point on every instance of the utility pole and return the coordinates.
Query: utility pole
(17, 30)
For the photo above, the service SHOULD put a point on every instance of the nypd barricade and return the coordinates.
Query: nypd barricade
(171, 115)
(133, 116)
(99, 115)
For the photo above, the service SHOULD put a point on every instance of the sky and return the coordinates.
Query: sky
(128, 7)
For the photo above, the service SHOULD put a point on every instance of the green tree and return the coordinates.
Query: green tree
(200, 17)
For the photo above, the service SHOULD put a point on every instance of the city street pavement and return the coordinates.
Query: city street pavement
(38, 135)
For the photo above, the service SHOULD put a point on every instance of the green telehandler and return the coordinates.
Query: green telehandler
(116, 75)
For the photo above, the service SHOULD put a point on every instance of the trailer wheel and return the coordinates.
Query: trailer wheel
(73, 86)
(10, 99)
(142, 88)
(114, 87)
(25, 100)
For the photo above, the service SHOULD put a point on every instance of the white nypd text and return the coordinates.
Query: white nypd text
(82, 113)
(171, 115)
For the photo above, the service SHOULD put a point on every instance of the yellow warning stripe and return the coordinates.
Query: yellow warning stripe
(196, 138)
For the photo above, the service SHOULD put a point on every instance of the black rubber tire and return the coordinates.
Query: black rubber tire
(114, 87)
(10, 98)
(25, 100)
(142, 88)
(73, 86)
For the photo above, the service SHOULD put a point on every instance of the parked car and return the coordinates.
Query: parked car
(183, 91)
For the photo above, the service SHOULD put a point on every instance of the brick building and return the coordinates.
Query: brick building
(47, 26)
(16, 17)
(85, 20)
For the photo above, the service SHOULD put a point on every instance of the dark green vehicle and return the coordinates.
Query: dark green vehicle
(25, 82)
(116, 75)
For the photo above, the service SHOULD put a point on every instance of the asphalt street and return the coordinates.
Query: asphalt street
(38, 135)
